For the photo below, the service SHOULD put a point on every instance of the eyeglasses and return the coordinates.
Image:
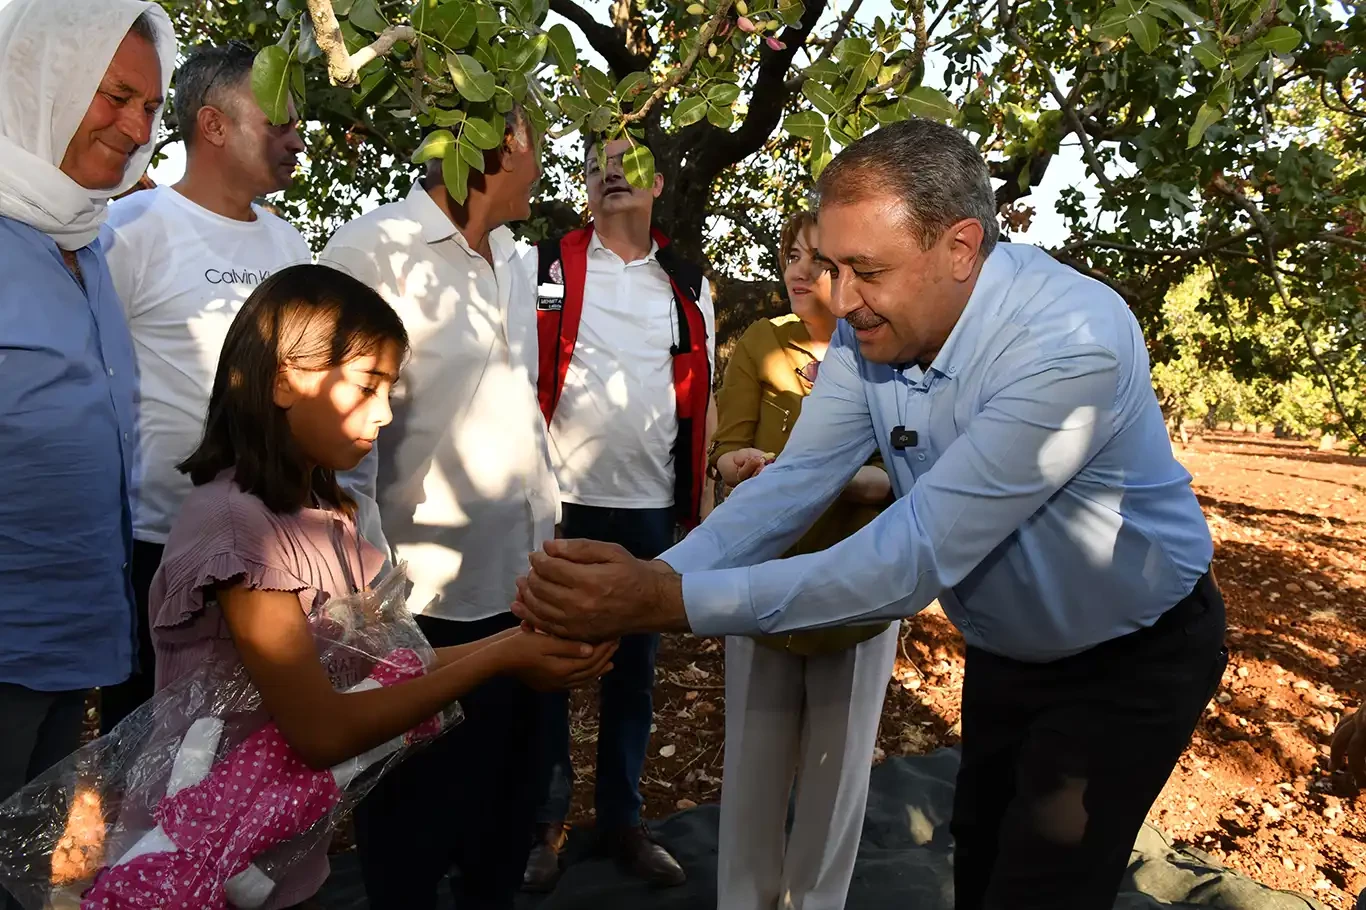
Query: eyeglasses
(809, 371)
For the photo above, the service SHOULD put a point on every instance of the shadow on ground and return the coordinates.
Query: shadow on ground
(905, 860)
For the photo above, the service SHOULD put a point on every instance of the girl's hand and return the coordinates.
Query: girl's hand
(547, 663)
(742, 464)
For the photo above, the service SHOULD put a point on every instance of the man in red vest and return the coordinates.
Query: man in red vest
(625, 331)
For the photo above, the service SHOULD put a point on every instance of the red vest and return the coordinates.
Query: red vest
(565, 262)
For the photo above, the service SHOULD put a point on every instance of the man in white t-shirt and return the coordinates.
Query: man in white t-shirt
(465, 494)
(184, 259)
(626, 347)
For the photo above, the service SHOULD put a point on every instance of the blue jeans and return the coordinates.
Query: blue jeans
(626, 709)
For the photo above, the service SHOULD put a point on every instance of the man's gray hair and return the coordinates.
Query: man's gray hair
(936, 173)
(145, 27)
(204, 76)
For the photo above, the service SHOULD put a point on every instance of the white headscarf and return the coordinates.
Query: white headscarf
(53, 56)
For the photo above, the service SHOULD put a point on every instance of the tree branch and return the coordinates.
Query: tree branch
(343, 67)
(1340, 240)
(757, 232)
(1257, 28)
(1195, 252)
(1259, 219)
(716, 149)
(604, 39)
(1069, 112)
(838, 34)
(1009, 172)
(1269, 239)
(1129, 294)
(680, 72)
(939, 16)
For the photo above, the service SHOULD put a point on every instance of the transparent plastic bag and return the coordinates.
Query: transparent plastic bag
(195, 800)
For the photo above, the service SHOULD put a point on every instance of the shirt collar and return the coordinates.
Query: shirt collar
(595, 245)
(987, 295)
(436, 227)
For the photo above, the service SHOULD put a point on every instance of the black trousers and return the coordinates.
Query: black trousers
(117, 702)
(463, 802)
(1061, 761)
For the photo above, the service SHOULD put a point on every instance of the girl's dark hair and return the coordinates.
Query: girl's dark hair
(308, 316)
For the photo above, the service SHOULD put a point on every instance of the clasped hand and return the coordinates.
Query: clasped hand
(591, 591)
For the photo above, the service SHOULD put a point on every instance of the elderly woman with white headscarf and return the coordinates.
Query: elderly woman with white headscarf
(84, 82)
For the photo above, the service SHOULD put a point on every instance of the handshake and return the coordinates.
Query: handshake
(587, 591)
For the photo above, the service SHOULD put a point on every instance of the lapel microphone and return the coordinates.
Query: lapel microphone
(903, 439)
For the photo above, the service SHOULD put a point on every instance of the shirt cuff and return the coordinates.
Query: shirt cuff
(718, 603)
(693, 553)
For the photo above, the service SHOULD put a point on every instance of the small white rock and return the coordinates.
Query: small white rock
(668, 751)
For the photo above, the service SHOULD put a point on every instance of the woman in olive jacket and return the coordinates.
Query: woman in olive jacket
(801, 709)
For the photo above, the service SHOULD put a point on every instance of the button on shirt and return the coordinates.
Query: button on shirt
(461, 477)
(68, 429)
(613, 433)
(1042, 504)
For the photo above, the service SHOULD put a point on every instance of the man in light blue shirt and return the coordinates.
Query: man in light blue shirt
(73, 132)
(1039, 502)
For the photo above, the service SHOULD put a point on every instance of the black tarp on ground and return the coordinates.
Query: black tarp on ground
(904, 861)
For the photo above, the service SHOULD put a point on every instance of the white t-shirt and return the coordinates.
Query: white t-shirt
(614, 428)
(461, 476)
(182, 273)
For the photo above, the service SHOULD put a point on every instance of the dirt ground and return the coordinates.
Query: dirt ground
(1253, 791)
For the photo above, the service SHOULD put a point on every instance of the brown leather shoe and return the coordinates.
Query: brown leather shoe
(543, 865)
(639, 854)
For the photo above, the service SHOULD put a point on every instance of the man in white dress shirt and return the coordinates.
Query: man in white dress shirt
(464, 492)
(184, 259)
(626, 340)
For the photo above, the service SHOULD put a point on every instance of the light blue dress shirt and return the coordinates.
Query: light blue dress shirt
(1042, 504)
(67, 436)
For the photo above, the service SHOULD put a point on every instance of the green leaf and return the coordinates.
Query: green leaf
(631, 86)
(270, 82)
(840, 136)
(455, 173)
(791, 11)
(821, 98)
(576, 107)
(821, 155)
(376, 88)
(600, 119)
(470, 78)
(562, 46)
(723, 118)
(723, 94)
(597, 84)
(365, 14)
(1207, 116)
(1114, 23)
(853, 51)
(287, 8)
(1023, 181)
(1178, 9)
(472, 156)
(807, 124)
(1283, 39)
(639, 167)
(485, 134)
(531, 54)
(518, 86)
(342, 7)
(689, 111)
(539, 10)
(923, 101)
(1246, 62)
(824, 71)
(296, 79)
(443, 117)
(308, 42)
(1209, 54)
(487, 22)
(437, 144)
(450, 24)
(1146, 31)
(888, 113)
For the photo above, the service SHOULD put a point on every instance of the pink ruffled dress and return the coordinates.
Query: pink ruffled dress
(224, 536)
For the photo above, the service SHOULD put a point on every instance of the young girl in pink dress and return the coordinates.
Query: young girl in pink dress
(267, 535)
